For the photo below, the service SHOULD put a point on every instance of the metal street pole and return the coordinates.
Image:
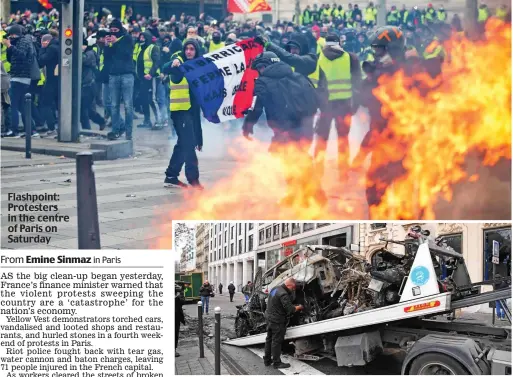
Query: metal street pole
(70, 69)
(87, 207)
(217, 312)
(200, 329)
(382, 13)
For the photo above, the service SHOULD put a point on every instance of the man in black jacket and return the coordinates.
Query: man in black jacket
(288, 127)
(205, 293)
(279, 309)
(147, 69)
(185, 113)
(20, 55)
(179, 316)
(231, 290)
(49, 60)
(119, 54)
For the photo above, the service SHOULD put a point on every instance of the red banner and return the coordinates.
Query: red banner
(248, 6)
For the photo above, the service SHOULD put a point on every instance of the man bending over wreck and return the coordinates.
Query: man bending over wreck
(279, 309)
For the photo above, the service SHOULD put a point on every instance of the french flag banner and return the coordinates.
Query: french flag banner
(222, 81)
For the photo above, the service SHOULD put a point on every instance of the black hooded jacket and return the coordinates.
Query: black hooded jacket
(304, 63)
(49, 59)
(270, 97)
(155, 56)
(20, 55)
(119, 55)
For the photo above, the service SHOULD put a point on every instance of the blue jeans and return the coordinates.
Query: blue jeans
(17, 94)
(163, 100)
(499, 311)
(246, 297)
(204, 303)
(122, 86)
(107, 101)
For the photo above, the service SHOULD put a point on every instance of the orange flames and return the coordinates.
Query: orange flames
(433, 135)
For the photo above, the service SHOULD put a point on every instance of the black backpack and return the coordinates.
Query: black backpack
(300, 98)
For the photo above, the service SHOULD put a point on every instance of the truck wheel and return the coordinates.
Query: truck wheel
(241, 327)
(436, 363)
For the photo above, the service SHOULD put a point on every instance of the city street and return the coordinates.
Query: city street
(240, 360)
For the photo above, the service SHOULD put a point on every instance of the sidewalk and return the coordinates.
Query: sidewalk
(189, 363)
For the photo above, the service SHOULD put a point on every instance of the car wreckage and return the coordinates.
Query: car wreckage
(335, 281)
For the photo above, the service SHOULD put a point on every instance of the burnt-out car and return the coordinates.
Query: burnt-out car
(330, 282)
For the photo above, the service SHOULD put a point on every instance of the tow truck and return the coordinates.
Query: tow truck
(416, 324)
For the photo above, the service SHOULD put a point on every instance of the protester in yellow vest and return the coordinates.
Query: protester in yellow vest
(370, 14)
(430, 14)
(185, 113)
(483, 13)
(215, 43)
(147, 70)
(341, 75)
(393, 17)
(502, 12)
(136, 32)
(6, 64)
(441, 14)
(307, 16)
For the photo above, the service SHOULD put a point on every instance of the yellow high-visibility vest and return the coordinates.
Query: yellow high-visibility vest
(501, 14)
(430, 15)
(482, 15)
(338, 76)
(179, 96)
(370, 14)
(442, 15)
(314, 76)
(42, 79)
(320, 44)
(434, 50)
(326, 12)
(101, 61)
(137, 50)
(147, 61)
(215, 46)
(5, 63)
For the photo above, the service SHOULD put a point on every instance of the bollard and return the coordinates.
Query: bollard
(200, 329)
(28, 125)
(217, 312)
(87, 208)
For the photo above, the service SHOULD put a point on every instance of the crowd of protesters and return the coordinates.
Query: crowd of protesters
(132, 60)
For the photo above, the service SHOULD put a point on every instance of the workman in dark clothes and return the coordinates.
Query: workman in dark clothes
(279, 309)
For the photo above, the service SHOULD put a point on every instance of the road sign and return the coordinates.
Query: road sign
(495, 252)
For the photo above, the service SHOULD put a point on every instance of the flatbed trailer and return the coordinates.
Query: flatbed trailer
(432, 346)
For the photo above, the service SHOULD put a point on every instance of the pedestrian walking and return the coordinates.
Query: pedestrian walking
(247, 290)
(179, 318)
(220, 288)
(205, 293)
(279, 309)
(231, 290)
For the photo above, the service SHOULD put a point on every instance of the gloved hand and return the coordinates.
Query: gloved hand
(247, 130)
(261, 40)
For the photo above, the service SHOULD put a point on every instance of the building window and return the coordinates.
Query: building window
(231, 250)
(284, 230)
(503, 237)
(261, 237)
(240, 246)
(268, 234)
(276, 232)
(225, 256)
(250, 226)
(308, 226)
(376, 226)
(296, 228)
(226, 235)
(240, 229)
(320, 225)
(250, 243)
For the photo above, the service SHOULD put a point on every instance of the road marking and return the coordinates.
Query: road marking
(296, 366)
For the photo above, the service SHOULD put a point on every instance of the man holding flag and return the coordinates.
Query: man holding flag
(185, 112)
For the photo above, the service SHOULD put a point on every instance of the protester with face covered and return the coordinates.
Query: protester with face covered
(20, 55)
(49, 60)
(119, 53)
(215, 43)
(147, 70)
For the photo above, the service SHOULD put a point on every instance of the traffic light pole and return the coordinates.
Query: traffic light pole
(70, 69)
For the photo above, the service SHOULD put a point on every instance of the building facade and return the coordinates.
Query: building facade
(231, 253)
(202, 238)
